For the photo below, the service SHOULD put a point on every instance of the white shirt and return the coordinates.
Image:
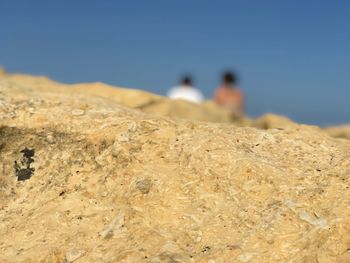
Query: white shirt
(186, 93)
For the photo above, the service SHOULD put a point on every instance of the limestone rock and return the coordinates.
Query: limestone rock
(2, 71)
(114, 184)
(272, 121)
(342, 131)
(133, 98)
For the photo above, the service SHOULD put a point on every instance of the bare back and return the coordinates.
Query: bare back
(230, 98)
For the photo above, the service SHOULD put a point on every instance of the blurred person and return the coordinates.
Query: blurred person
(228, 94)
(186, 91)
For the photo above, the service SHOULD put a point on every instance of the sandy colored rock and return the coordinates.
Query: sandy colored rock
(132, 98)
(2, 71)
(158, 105)
(108, 183)
(342, 131)
(272, 121)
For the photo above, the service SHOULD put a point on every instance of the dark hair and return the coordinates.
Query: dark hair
(229, 78)
(186, 80)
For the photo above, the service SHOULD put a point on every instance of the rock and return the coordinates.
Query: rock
(131, 186)
(117, 222)
(272, 121)
(342, 131)
(73, 255)
(136, 99)
(144, 186)
(77, 112)
(2, 71)
(50, 138)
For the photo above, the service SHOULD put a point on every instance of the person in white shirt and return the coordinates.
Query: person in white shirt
(186, 91)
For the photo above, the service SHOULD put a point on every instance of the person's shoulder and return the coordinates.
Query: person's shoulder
(239, 90)
(172, 91)
(220, 90)
(239, 93)
(198, 93)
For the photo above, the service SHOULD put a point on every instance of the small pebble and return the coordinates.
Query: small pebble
(144, 186)
(50, 139)
(73, 255)
(77, 112)
(31, 110)
(80, 138)
(115, 149)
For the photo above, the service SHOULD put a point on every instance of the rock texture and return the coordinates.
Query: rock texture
(342, 131)
(135, 99)
(272, 121)
(85, 179)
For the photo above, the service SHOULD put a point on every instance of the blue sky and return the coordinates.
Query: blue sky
(292, 56)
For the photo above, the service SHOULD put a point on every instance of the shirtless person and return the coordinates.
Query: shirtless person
(228, 95)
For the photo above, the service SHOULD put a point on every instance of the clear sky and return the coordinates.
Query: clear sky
(292, 56)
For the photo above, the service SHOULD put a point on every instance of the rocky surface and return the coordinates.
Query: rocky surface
(136, 99)
(342, 131)
(2, 72)
(85, 179)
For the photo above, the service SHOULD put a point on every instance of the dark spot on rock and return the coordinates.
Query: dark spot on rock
(233, 247)
(28, 153)
(62, 193)
(23, 170)
(205, 249)
(2, 146)
(24, 174)
(109, 234)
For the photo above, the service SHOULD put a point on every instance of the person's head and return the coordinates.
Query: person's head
(186, 81)
(229, 78)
